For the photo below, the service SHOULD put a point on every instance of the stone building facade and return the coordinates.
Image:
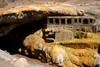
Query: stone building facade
(59, 28)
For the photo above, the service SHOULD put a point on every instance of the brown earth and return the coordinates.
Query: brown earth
(93, 4)
(35, 61)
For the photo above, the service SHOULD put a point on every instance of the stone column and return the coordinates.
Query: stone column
(81, 20)
(77, 20)
(93, 21)
(59, 21)
(72, 21)
(66, 21)
(48, 21)
(88, 21)
(53, 21)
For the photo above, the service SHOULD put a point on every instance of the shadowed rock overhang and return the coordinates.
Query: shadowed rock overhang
(10, 19)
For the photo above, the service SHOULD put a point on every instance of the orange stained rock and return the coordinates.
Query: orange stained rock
(48, 8)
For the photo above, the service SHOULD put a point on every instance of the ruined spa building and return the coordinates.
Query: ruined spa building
(59, 27)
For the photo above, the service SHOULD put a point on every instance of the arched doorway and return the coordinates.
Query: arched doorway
(68, 21)
(85, 21)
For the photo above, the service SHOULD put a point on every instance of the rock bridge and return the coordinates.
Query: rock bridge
(19, 22)
(10, 19)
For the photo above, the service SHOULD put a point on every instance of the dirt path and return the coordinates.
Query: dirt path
(35, 61)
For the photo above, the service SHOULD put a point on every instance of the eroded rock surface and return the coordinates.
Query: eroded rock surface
(5, 55)
(60, 55)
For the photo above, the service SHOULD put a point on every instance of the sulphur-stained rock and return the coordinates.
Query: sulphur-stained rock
(97, 61)
(64, 56)
(85, 29)
(34, 45)
(58, 54)
(48, 8)
(34, 41)
(81, 35)
(39, 33)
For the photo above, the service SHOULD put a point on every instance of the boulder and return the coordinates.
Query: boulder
(21, 62)
(4, 55)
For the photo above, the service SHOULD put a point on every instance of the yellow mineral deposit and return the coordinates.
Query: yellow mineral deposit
(48, 8)
(62, 55)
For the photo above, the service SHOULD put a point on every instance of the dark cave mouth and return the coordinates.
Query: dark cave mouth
(12, 41)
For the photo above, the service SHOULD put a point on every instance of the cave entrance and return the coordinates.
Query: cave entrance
(14, 39)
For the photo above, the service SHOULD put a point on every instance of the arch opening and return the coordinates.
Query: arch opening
(75, 20)
(62, 21)
(69, 21)
(85, 21)
(57, 21)
(50, 21)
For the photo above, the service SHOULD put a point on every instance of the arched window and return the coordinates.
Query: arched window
(85, 21)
